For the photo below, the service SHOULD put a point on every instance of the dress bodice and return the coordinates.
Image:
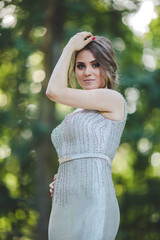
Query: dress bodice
(87, 131)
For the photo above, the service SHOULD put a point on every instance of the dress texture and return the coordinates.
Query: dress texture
(84, 203)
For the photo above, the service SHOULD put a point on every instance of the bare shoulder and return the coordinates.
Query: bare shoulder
(117, 113)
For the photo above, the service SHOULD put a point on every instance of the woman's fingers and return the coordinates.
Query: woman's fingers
(54, 177)
(51, 185)
(51, 189)
(88, 40)
(80, 40)
(85, 35)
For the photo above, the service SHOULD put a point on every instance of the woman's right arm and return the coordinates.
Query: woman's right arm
(59, 77)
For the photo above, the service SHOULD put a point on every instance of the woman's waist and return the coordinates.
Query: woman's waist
(90, 174)
(84, 155)
(85, 170)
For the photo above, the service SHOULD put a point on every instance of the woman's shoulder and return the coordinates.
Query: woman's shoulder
(118, 114)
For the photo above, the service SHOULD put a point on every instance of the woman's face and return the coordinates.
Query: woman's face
(88, 71)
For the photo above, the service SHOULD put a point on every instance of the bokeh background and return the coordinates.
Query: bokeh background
(32, 36)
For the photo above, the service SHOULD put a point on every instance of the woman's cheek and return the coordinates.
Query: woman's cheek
(79, 75)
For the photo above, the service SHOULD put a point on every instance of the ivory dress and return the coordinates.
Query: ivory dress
(84, 204)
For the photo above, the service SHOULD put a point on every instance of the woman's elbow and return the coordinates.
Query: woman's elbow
(50, 95)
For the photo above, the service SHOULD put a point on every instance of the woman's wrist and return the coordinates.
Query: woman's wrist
(69, 48)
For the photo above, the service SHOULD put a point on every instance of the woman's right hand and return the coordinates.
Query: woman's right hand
(51, 185)
(80, 40)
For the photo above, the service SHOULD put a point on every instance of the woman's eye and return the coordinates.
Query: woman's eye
(96, 65)
(80, 66)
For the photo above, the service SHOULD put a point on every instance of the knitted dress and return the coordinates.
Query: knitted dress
(84, 204)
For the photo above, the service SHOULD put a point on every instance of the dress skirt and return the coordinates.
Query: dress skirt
(84, 204)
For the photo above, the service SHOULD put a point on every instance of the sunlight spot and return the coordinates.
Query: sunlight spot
(149, 59)
(155, 159)
(119, 44)
(5, 224)
(3, 99)
(5, 151)
(31, 111)
(7, 14)
(130, 5)
(124, 4)
(39, 31)
(9, 21)
(139, 21)
(1, 4)
(35, 59)
(132, 95)
(23, 87)
(155, 217)
(26, 134)
(11, 181)
(144, 145)
(8, 10)
(38, 76)
(35, 87)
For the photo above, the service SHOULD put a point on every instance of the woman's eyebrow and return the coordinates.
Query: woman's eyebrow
(90, 62)
(80, 62)
(93, 61)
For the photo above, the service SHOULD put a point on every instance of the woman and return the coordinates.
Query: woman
(84, 204)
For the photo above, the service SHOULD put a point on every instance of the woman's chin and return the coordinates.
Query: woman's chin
(89, 88)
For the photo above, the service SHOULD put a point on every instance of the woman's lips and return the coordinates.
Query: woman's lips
(89, 80)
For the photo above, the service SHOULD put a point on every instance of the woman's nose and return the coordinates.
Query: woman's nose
(87, 70)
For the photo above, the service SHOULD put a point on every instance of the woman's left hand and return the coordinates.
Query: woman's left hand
(51, 185)
(80, 40)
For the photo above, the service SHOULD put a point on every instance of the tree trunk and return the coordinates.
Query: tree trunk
(46, 157)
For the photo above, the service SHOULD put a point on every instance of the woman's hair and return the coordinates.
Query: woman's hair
(103, 51)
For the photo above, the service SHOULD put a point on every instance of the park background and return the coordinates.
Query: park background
(32, 36)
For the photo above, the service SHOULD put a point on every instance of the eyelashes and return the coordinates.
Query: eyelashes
(94, 65)
(80, 66)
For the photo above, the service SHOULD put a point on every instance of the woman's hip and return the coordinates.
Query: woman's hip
(92, 176)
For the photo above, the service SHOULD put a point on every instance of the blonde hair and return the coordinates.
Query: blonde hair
(103, 51)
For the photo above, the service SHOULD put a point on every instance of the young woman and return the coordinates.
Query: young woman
(84, 204)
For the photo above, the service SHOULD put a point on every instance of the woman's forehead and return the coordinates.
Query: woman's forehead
(85, 55)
